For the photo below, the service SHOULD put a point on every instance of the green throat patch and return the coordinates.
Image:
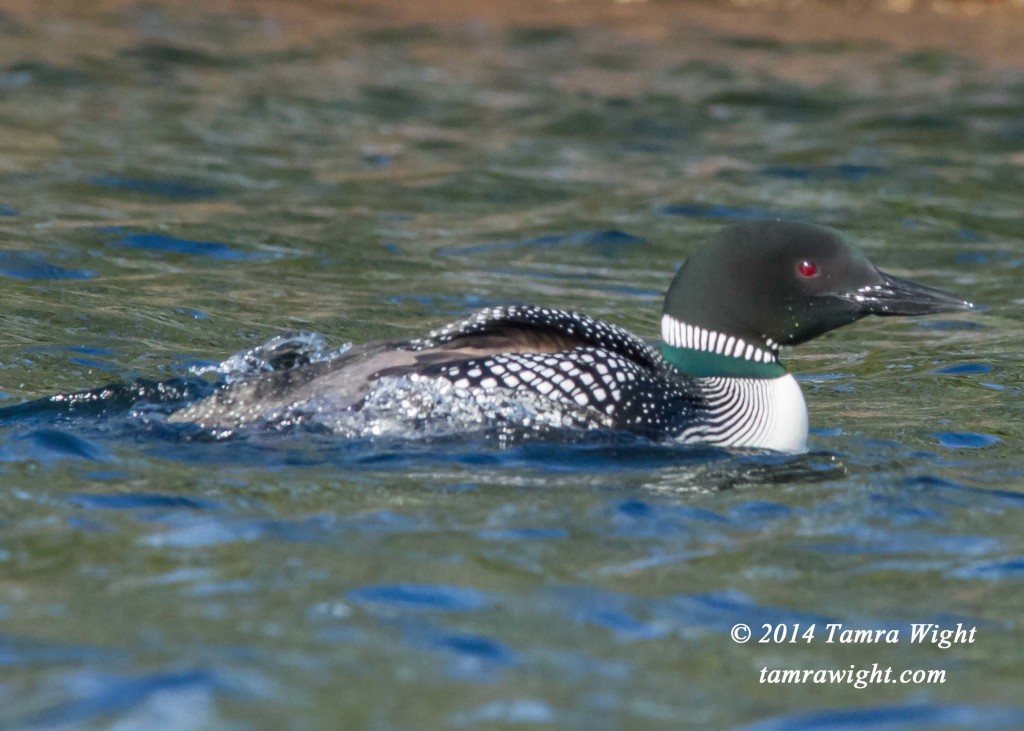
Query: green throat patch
(703, 364)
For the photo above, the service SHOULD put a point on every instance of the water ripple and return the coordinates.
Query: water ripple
(518, 711)
(173, 189)
(188, 247)
(33, 265)
(166, 699)
(993, 570)
(49, 446)
(966, 440)
(421, 597)
(635, 618)
(606, 243)
(140, 501)
(964, 369)
(897, 718)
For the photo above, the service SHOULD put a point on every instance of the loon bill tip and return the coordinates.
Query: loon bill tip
(896, 296)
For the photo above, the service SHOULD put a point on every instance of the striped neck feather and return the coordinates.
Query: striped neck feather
(697, 351)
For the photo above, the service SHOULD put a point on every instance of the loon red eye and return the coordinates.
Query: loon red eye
(808, 269)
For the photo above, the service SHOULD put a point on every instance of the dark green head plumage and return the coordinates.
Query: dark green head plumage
(774, 283)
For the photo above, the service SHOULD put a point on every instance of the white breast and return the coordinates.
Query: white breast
(760, 413)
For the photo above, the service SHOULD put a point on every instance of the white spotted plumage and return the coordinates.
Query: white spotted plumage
(621, 381)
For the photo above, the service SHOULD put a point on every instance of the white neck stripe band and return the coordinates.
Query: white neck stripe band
(681, 335)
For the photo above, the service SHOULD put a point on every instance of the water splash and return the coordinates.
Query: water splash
(416, 407)
(281, 352)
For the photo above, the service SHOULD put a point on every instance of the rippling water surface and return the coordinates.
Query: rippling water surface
(178, 184)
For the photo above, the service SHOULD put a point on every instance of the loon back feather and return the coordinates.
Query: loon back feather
(344, 381)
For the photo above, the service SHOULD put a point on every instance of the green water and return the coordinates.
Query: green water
(177, 186)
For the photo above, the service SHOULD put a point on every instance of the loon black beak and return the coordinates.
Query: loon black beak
(898, 296)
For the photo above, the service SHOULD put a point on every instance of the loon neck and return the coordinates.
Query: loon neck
(704, 353)
(703, 364)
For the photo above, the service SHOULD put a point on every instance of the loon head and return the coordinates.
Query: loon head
(756, 286)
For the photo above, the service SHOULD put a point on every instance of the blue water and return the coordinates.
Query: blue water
(180, 184)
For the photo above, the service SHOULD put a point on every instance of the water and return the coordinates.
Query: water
(177, 185)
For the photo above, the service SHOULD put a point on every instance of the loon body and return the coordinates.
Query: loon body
(716, 378)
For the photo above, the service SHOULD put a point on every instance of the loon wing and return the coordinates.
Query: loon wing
(454, 349)
(529, 329)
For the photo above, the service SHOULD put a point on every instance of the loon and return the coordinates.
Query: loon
(715, 379)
